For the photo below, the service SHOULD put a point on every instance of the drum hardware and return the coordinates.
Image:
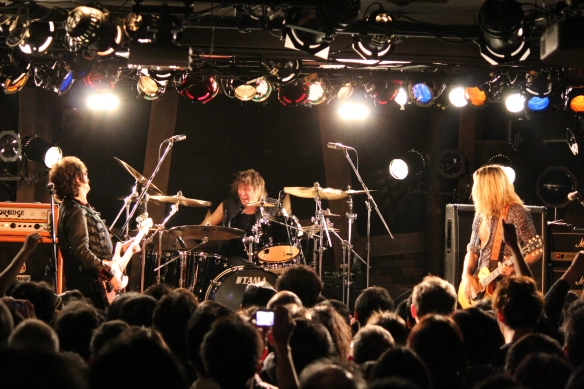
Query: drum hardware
(210, 232)
(262, 203)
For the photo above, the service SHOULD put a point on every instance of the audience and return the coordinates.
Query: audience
(433, 295)
(369, 343)
(33, 334)
(371, 300)
(303, 281)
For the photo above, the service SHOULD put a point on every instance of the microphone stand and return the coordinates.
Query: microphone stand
(371, 201)
(53, 265)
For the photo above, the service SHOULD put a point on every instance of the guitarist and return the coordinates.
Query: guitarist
(84, 240)
(495, 200)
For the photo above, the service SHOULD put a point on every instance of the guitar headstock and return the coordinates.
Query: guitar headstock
(145, 223)
(533, 244)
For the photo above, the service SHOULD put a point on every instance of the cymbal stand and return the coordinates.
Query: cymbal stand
(126, 207)
(347, 251)
(321, 224)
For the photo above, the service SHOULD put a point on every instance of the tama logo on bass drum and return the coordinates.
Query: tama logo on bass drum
(249, 280)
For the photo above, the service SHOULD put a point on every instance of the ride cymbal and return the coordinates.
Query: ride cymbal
(181, 200)
(311, 192)
(209, 232)
(140, 179)
(352, 192)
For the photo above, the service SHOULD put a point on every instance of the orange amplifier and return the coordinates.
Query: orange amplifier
(21, 219)
(17, 220)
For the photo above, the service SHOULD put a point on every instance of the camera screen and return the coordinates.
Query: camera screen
(265, 318)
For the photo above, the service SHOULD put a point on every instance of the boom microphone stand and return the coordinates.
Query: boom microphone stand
(53, 265)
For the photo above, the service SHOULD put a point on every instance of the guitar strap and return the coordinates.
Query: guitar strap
(495, 251)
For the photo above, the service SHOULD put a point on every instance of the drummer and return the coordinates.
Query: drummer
(242, 210)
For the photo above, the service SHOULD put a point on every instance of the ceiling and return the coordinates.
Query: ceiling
(432, 38)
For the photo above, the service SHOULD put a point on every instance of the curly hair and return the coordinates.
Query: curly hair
(519, 301)
(252, 178)
(64, 176)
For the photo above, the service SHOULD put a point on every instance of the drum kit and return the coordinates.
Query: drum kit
(273, 246)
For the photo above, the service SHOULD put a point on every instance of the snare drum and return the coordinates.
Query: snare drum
(228, 287)
(278, 241)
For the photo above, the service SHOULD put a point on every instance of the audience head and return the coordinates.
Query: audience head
(303, 281)
(158, 291)
(340, 307)
(574, 339)
(401, 362)
(136, 309)
(543, 371)
(372, 299)
(481, 334)
(309, 341)
(438, 341)
(433, 295)
(231, 351)
(75, 326)
(392, 322)
(284, 298)
(33, 334)
(370, 342)
(394, 383)
(40, 295)
(527, 345)
(323, 374)
(6, 324)
(106, 332)
(517, 302)
(139, 358)
(337, 327)
(257, 295)
(198, 325)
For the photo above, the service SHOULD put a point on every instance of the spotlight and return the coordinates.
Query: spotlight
(38, 38)
(55, 78)
(538, 83)
(504, 38)
(538, 103)
(378, 43)
(424, 94)
(411, 164)
(319, 90)
(282, 71)
(103, 101)
(515, 101)
(294, 93)
(476, 96)
(90, 28)
(9, 146)
(98, 81)
(575, 99)
(554, 185)
(451, 163)
(263, 90)
(401, 98)
(346, 91)
(36, 149)
(15, 70)
(457, 96)
(141, 27)
(505, 163)
(384, 92)
(198, 89)
(238, 89)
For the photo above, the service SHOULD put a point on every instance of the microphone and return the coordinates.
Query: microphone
(338, 146)
(177, 138)
(575, 196)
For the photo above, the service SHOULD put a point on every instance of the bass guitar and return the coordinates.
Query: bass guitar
(119, 262)
(486, 277)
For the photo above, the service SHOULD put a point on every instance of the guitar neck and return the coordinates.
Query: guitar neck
(125, 259)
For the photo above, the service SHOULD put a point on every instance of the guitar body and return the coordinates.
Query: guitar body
(464, 302)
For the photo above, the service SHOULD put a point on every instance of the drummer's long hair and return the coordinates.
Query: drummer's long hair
(492, 191)
(64, 175)
(252, 178)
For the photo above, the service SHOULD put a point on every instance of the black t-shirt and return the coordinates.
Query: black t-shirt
(243, 222)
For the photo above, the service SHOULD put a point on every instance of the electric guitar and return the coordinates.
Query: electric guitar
(486, 277)
(119, 262)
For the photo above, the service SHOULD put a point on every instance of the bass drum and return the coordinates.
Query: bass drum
(228, 287)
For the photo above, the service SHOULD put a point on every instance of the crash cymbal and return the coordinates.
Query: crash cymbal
(311, 192)
(328, 213)
(313, 229)
(181, 200)
(209, 232)
(352, 192)
(140, 179)
(261, 204)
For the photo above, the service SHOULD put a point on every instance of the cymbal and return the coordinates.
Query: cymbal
(181, 200)
(264, 204)
(313, 229)
(209, 232)
(352, 192)
(328, 213)
(140, 179)
(310, 192)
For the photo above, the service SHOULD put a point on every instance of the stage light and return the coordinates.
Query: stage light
(98, 81)
(505, 163)
(90, 28)
(36, 149)
(10, 146)
(15, 70)
(263, 90)
(282, 71)
(554, 185)
(383, 92)
(38, 38)
(319, 90)
(198, 89)
(141, 27)
(457, 96)
(401, 98)
(515, 101)
(311, 29)
(538, 103)
(239, 89)
(451, 163)
(410, 164)
(476, 96)
(504, 37)
(103, 101)
(424, 94)
(294, 93)
(571, 141)
(10, 88)
(574, 99)
(378, 42)
(538, 83)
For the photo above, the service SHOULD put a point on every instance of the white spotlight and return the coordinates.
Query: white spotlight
(103, 101)
(515, 102)
(401, 98)
(353, 111)
(457, 97)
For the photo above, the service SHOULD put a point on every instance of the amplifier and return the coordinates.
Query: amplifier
(565, 245)
(21, 219)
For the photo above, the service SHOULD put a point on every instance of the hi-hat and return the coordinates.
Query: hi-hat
(311, 192)
(140, 179)
(261, 204)
(209, 232)
(181, 200)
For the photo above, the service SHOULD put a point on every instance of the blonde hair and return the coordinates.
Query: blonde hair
(252, 178)
(492, 191)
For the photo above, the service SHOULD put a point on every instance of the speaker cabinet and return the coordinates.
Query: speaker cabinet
(557, 269)
(458, 226)
(35, 267)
